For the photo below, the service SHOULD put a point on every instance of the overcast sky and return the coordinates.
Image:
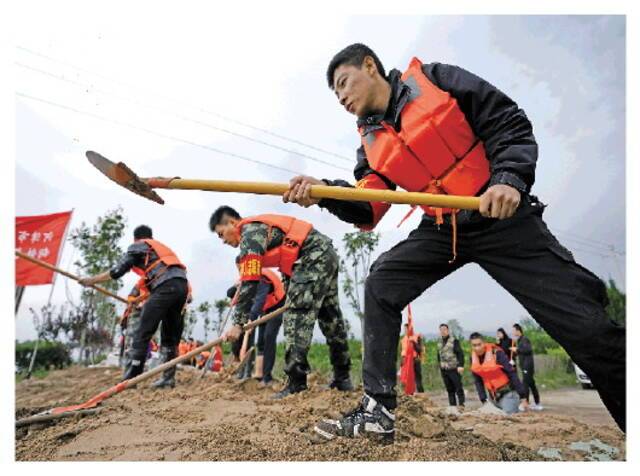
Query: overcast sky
(181, 78)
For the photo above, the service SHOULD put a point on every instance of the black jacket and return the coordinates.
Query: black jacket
(525, 354)
(496, 119)
(136, 255)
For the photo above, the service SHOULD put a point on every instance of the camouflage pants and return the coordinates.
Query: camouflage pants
(133, 321)
(312, 293)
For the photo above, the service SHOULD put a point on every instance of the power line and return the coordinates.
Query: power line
(199, 109)
(608, 248)
(588, 241)
(179, 116)
(153, 132)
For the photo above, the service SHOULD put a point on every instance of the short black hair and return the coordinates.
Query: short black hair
(353, 55)
(518, 327)
(444, 325)
(476, 335)
(221, 212)
(141, 232)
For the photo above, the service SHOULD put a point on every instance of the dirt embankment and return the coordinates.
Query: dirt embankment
(219, 418)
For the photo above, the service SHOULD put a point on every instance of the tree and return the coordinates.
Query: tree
(204, 309)
(455, 329)
(359, 246)
(91, 325)
(529, 325)
(190, 319)
(617, 308)
(221, 305)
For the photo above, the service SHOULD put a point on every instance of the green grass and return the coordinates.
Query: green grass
(555, 373)
(36, 374)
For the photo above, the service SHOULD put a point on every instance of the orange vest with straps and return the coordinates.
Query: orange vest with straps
(492, 374)
(435, 150)
(165, 256)
(285, 255)
(216, 366)
(278, 292)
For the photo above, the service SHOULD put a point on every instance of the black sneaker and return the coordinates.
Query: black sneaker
(370, 419)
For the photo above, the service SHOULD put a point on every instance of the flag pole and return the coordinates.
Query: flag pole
(53, 284)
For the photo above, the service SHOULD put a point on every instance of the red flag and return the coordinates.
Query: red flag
(40, 237)
(407, 371)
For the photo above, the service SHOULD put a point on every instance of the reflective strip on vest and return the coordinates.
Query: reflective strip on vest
(435, 150)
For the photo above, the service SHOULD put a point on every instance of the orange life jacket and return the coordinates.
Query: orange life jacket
(165, 256)
(278, 292)
(217, 359)
(435, 151)
(183, 347)
(492, 374)
(285, 255)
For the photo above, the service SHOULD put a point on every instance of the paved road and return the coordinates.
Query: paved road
(583, 405)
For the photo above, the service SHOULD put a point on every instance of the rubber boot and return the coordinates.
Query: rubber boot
(134, 366)
(296, 369)
(341, 362)
(248, 368)
(341, 380)
(168, 378)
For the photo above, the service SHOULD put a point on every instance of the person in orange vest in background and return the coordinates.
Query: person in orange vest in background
(415, 339)
(438, 128)
(270, 296)
(216, 363)
(493, 374)
(166, 278)
(183, 347)
(309, 263)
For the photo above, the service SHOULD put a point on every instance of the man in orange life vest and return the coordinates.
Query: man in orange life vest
(438, 128)
(493, 373)
(166, 278)
(270, 295)
(309, 265)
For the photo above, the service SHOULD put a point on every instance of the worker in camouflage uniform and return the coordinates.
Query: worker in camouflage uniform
(309, 265)
(131, 317)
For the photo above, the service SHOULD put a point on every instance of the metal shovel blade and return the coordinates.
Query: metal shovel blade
(123, 176)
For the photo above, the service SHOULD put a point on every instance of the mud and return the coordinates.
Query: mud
(219, 418)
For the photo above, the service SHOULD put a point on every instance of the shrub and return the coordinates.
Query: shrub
(50, 354)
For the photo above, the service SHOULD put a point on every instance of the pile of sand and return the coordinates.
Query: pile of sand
(219, 418)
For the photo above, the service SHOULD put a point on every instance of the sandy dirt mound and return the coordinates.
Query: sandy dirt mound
(219, 418)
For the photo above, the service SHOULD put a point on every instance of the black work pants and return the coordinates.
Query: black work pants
(417, 370)
(453, 383)
(530, 385)
(163, 307)
(267, 336)
(522, 255)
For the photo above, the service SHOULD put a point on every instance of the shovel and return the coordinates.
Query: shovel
(60, 412)
(125, 177)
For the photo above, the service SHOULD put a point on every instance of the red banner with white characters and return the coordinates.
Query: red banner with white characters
(40, 237)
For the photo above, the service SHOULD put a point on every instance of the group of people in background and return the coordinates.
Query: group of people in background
(494, 368)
